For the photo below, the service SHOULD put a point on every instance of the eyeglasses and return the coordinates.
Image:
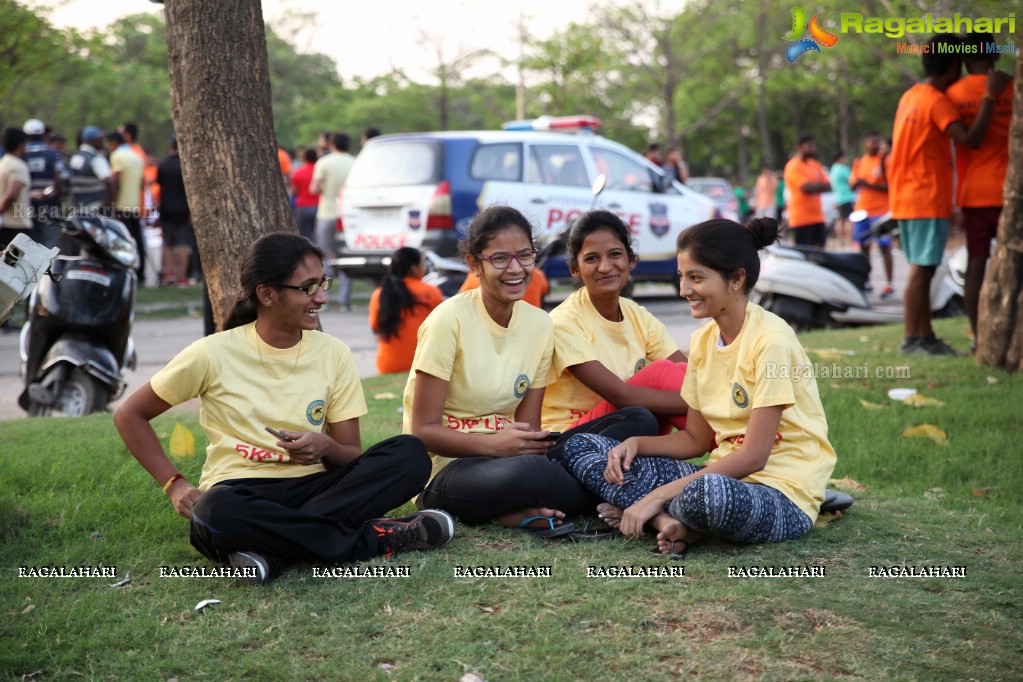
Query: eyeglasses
(502, 260)
(309, 289)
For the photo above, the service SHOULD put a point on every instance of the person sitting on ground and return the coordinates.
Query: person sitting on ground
(610, 352)
(770, 458)
(307, 493)
(476, 387)
(398, 307)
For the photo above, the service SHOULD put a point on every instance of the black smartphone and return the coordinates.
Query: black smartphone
(280, 436)
(552, 435)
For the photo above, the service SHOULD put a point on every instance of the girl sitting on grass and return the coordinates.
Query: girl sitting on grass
(609, 352)
(766, 475)
(398, 307)
(306, 491)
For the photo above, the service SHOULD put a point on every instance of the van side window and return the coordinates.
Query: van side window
(556, 164)
(497, 162)
(622, 173)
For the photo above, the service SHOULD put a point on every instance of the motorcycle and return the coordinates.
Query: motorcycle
(76, 346)
(809, 287)
(448, 274)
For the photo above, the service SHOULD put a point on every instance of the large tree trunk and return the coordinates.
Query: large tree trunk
(1000, 320)
(220, 91)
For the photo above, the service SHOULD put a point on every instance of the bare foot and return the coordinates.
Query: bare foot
(515, 518)
(609, 514)
(673, 537)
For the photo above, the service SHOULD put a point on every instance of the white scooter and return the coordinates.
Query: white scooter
(810, 287)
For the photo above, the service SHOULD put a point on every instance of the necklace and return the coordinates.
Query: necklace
(263, 363)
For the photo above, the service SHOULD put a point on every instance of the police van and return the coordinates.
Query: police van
(423, 189)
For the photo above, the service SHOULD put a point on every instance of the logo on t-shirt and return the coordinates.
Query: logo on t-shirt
(316, 411)
(640, 364)
(521, 385)
(739, 396)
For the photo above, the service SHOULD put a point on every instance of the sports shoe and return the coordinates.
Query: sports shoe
(251, 560)
(887, 293)
(427, 529)
(868, 287)
(913, 347)
(936, 346)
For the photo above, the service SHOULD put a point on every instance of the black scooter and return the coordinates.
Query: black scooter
(77, 345)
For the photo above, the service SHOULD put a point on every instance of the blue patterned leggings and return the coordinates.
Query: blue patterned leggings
(742, 512)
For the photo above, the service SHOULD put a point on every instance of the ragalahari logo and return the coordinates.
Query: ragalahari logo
(818, 36)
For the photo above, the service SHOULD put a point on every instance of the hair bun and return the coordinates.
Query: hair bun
(765, 231)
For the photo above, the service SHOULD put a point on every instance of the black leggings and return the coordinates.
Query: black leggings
(479, 489)
(322, 515)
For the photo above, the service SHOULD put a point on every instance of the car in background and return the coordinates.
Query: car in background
(720, 190)
(423, 190)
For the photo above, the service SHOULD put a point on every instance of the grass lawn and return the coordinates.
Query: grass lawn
(71, 496)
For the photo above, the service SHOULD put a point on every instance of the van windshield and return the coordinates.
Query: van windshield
(388, 164)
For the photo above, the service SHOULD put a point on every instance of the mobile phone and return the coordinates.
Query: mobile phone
(552, 435)
(279, 435)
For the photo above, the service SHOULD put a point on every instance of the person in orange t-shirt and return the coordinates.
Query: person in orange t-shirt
(981, 171)
(806, 180)
(920, 180)
(537, 288)
(398, 307)
(870, 180)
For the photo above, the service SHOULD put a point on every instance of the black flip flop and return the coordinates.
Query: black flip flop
(552, 531)
(676, 556)
(602, 531)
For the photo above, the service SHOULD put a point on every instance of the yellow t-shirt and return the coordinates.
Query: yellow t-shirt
(240, 398)
(488, 368)
(763, 367)
(581, 334)
(130, 168)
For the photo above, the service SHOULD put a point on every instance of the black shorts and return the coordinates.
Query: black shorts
(176, 234)
(809, 235)
(845, 210)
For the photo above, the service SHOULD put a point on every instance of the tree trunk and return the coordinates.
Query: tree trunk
(220, 92)
(1000, 318)
(765, 134)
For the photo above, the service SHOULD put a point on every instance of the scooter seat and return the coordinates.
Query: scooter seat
(853, 266)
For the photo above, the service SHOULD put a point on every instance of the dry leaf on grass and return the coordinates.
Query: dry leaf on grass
(920, 400)
(831, 354)
(384, 396)
(981, 492)
(926, 431)
(824, 518)
(872, 406)
(847, 483)
(992, 380)
(28, 609)
(182, 443)
(934, 493)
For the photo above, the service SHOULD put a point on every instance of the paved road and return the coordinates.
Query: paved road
(157, 341)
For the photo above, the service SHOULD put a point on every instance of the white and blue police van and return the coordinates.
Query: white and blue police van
(423, 189)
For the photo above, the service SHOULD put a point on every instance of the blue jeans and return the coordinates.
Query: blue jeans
(739, 511)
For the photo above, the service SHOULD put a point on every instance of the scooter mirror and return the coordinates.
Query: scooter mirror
(857, 216)
(598, 184)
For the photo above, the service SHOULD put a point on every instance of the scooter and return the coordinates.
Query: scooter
(810, 287)
(77, 344)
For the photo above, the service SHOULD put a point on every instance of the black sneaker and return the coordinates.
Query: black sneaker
(258, 565)
(913, 347)
(427, 529)
(936, 346)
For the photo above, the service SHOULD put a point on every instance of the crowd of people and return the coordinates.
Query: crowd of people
(942, 169)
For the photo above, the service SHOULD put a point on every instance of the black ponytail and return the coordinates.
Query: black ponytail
(395, 297)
